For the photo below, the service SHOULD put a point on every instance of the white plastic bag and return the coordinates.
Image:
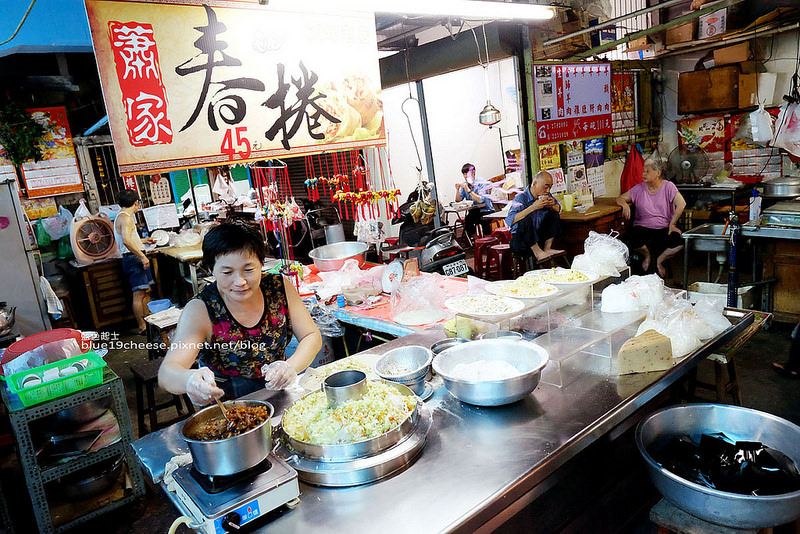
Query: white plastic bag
(57, 226)
(82, 210)
(711, 310)
(761, 125)
(787, 133)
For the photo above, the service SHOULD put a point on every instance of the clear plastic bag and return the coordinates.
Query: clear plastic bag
(787, 133)
(761, 125)
(606, 251)
(58, 225)
(419, 301)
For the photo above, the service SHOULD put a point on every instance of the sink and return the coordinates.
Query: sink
(708, 237)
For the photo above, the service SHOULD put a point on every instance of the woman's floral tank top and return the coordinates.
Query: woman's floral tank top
(237, 350)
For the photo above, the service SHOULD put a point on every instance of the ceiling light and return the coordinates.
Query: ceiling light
(466, 9)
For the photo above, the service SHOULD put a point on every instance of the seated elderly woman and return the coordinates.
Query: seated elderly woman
(658, 206)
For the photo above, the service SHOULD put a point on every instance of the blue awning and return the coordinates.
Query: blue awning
(51, 26)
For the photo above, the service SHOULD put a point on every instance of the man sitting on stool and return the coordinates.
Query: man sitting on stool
(533, 219)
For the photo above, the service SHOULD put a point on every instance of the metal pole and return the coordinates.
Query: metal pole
(426, 142)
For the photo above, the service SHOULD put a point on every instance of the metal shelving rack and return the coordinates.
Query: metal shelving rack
(37, 476)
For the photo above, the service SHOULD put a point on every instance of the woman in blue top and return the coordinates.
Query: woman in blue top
(478, 190)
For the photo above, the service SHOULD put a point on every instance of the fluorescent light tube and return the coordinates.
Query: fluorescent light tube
(465, 9)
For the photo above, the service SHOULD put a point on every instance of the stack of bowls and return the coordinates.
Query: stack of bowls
(406, 365)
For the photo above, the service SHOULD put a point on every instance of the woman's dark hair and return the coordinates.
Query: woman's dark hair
(232, 237)
(466, 167)
(128, 197)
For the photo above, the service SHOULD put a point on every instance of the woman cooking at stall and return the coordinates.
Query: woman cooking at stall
(235, 359)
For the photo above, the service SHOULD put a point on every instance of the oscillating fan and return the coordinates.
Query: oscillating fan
(92, 239)
(687, 164)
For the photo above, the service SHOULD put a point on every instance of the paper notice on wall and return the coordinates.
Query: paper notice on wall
(574, 153)
(161, 216)
(559, 181)
(549, 156)
(596, 176)
(577, 178)
(594, 156)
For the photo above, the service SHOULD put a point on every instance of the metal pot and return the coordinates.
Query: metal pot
(332, 257)
(92, 480)
(785, 187)
(230, 455)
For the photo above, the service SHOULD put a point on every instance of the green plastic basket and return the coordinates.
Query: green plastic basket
(64, 385)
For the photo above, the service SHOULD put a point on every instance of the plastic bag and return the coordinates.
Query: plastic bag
(42, 237)
(606, 248)
(82, 210)
(419, 301)
(761, 125)
(634, 293)
(42, 355)
(58, 225)
(787, 133)
(65, 249)
(710, 309)
(350, 278)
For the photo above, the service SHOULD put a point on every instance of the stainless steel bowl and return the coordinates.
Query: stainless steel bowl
(742, 424)
(344, 386)
(230, 455)
(528, 358)
(332, 257)
(406, 365)
(445, 344)
(501, 334)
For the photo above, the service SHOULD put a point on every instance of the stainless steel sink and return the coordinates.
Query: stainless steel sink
(708, 238)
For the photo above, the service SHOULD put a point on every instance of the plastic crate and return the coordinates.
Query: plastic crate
(64, 385)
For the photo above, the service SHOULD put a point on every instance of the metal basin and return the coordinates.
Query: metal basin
(708, 238)
(406, 365)
(332, 257)
(528, 358)
(742, 424)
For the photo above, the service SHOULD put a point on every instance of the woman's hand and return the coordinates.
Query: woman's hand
(626, 211)
(278, 375)
(201, 387)
(673, 228)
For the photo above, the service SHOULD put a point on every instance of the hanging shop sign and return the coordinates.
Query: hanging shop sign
(190, 85)
(57, 173)
(573, 101)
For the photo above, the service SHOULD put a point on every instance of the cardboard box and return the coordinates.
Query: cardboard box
(682, 33)
(764, 83)
(712, 24)
(638, 44)
(732, 54)
(715, 89)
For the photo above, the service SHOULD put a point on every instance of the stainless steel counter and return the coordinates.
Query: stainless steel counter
(480, 465)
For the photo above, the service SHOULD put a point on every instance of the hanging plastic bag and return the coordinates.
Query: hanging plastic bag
(58, 225)
(82, 210)
(787, 132)
(42, 237)
(761, 125)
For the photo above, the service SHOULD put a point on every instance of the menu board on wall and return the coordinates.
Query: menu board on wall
(573, 101)
(189, 85)
(57, 173)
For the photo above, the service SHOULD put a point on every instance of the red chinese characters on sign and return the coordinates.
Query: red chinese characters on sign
(580, 103)
(143, 93)
(130, 182)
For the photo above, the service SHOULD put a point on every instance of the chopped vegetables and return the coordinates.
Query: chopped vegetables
(525, 287)
(559, 276)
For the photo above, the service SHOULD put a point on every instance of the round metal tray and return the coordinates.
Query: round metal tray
(360, 448)
(357, 471)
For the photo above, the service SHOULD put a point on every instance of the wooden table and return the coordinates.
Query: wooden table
(188, 258)
(603, 217)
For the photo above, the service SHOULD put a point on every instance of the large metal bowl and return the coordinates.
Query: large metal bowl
(414, 360)
(357, 449)
(230, 455)
(742, 424)
(332, 257)
(528, 358)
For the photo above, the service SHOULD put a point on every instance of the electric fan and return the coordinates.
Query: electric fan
(687, 164)
(92, 239)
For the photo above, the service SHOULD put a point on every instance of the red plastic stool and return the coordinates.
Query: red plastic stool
(500, 263)
(503, 234)
(482, 245)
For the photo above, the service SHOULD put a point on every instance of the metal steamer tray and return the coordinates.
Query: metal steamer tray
(361, 462)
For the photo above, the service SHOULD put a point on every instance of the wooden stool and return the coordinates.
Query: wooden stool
(670, 518)
(145, 376)
(500, 262)
(68, 318)
(503, 234)
(482, 245)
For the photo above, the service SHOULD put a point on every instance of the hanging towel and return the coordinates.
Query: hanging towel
(634, 167)
(54, 306)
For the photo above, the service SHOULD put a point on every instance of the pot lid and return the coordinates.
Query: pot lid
(783, 180)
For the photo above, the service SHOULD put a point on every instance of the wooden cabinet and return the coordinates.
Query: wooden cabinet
(708, 90)
(110, 296)
(602, 218)
(780, 262)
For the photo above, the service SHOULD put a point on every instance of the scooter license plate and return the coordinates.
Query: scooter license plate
(456, 268)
